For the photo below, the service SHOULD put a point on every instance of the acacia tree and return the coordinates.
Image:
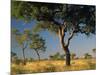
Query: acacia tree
(62, 19)
(22, 40)
(37, 44)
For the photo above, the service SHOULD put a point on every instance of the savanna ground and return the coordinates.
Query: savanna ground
(53, 66)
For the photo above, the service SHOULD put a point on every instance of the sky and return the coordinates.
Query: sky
(80, 44)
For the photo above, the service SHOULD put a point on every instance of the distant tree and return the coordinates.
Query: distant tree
(13, 56)
(31, 59)
(57, 56)
(45, 59)
(37, 44)
(87, 56)
(62, 19)
(94, 51)
(52, 57)
(62, 56)
(22, 40)
(73, 55)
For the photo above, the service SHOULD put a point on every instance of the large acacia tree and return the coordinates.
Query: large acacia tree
(62, 19)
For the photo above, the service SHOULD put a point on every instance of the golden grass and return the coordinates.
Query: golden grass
(53, 66)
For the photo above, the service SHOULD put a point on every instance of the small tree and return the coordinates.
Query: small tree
(57, 56)
(37, 44)
(87, 56)
(22, 40)
(13, 56)
(62, 56)
(73, 55)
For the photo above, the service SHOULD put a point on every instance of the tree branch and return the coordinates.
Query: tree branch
(71, 36)
(61, 36)
(37, 53)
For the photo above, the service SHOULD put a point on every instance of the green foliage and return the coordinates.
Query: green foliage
(21, 38)
(15, 31)
(73, 55)
(43, 26)
(15, 60)
(94, 50)
(79, 17)
(37, 43)
(13, 54)
(57, 56)
(87, 56)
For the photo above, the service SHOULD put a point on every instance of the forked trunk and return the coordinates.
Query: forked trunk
(38, 54)
(65, 47)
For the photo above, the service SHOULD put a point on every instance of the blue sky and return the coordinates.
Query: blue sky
(80, 43)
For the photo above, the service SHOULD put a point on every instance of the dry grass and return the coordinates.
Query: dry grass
(53, 66)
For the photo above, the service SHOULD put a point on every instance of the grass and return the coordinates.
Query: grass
(53, 66)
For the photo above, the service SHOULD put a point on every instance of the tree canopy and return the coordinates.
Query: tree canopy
(37, 43)
(81, 18)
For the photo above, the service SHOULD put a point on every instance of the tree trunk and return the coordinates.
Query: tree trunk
(38, 55)
(67, 52)
(24, 62)
(65, 47)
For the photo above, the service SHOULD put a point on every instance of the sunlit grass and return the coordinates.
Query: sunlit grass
(53, 66)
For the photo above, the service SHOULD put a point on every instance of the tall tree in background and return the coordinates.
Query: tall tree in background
(22, 40)
(94, 52)
(62, 19)
(37, 44)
